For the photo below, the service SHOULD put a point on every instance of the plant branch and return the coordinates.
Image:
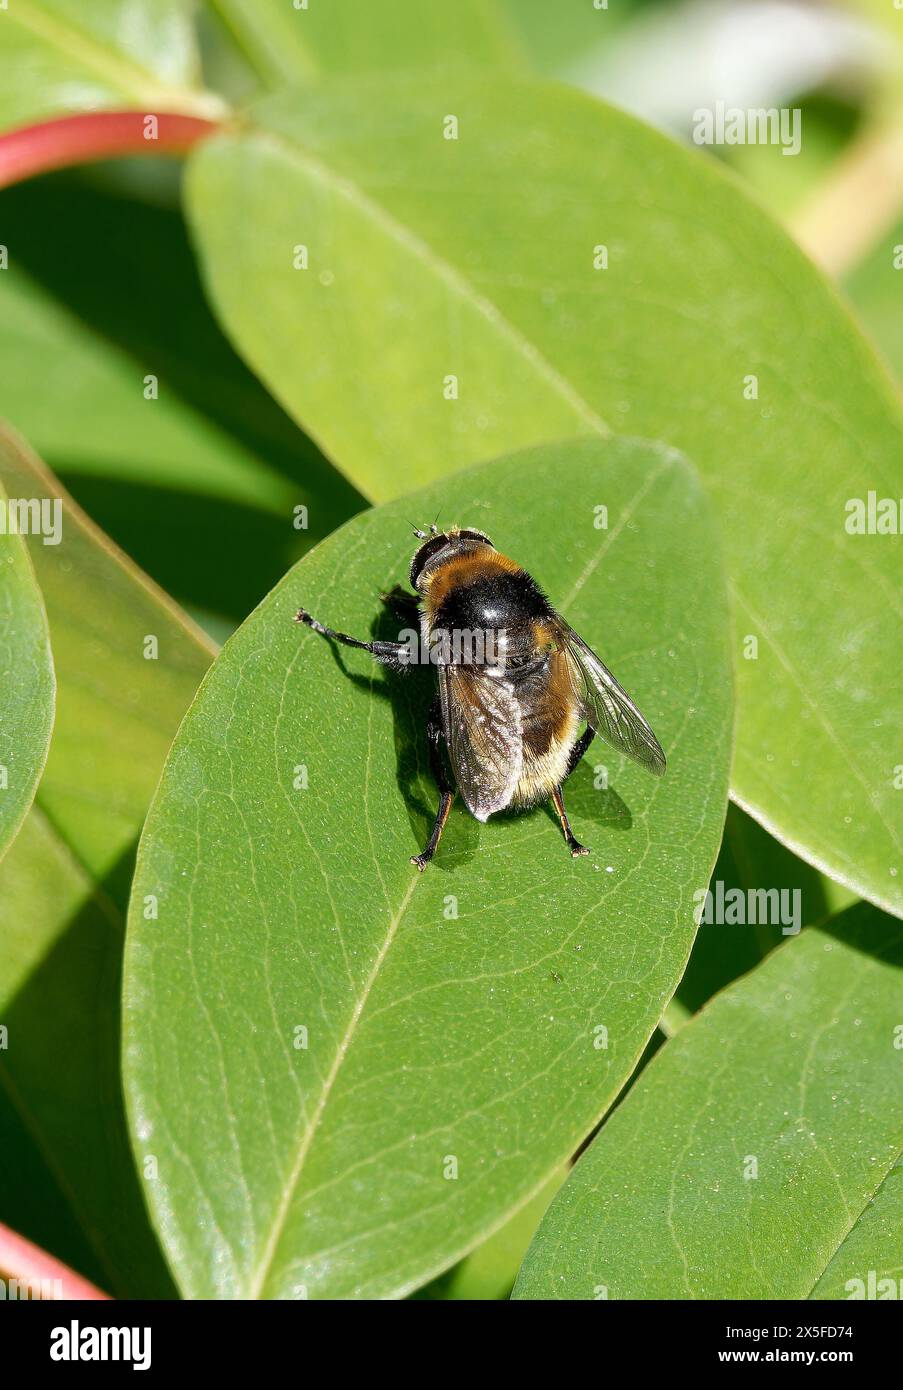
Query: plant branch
(92, 135)
(34, 1269)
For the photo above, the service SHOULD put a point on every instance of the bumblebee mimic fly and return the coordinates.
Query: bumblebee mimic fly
(515, 682)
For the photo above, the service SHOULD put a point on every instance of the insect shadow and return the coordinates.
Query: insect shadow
(410, 694)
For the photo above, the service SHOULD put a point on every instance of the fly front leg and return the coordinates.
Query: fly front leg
(573, 844)
(446, 791)
(392, 653)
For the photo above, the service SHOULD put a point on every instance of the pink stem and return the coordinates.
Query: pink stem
(90, 135)
(33, 1267)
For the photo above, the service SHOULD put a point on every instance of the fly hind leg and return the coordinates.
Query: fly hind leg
(577, 753)
(446, 792)
(579, 749)
(572, 843)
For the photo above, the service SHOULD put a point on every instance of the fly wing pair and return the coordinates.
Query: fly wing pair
(481, 716)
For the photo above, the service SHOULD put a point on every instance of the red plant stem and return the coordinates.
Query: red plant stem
(32, 1266)
(90, 135)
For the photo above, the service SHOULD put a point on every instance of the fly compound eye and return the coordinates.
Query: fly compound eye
(470, 535)
(425, 552)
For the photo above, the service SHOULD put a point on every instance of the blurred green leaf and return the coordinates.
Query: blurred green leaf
(758, 1155)
(449, 1013)
(466, 266)
(291, 43)
(26, 676)
(565, 36)
(212, 467)
(67, 1178)
(66, 55)
(874, 286)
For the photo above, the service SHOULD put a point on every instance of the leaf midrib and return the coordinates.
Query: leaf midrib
(446, 271)
(291, 1186)
(111, 67)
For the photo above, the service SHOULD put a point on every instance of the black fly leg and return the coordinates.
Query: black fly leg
(573, 845)
(446, 792)
(577, 753)
(389, 652)
(579, 749)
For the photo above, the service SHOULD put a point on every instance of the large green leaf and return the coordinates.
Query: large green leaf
(758, 1156)
(62, 55)
(26, 676)
(66, 1174)
(212, 462)
(288, 43)
(450, 1013)
(474, 258)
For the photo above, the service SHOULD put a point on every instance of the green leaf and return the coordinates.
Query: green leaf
(212, 463)
(873, 285)
(758, 1154)
(474, 259)
(67, 1178)
(450, 1013)
(26, 676)
(488, 1273)
(288, 44)
(568, 40)
(64, 55)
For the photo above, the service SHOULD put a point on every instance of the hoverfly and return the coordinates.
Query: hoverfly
(510, 714)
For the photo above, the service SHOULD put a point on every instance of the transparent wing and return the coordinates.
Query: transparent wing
(482, 721)
(607, 707)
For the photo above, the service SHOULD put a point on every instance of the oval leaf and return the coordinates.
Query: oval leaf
(557, 268)
(26, 667)
(67, 1179)
(758, 1156)
(317, 1037)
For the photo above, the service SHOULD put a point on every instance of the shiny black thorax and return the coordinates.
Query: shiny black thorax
(507, 601)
